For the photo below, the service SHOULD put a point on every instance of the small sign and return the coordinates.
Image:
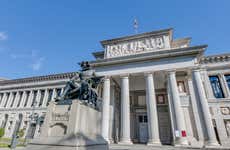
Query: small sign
(183, 133)
(177, 133)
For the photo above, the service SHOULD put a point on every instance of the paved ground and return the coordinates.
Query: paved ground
(144, 147)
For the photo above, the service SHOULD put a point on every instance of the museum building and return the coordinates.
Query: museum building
(156, 90)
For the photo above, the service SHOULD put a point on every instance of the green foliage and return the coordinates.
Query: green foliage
(21, 133)
(2, 132)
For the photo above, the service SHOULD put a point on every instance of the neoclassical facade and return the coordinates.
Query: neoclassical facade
(156, 90)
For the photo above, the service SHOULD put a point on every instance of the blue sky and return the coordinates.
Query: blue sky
(39, 37)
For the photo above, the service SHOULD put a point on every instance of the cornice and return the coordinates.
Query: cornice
(149, 56)
(215, 58)
(39, 78)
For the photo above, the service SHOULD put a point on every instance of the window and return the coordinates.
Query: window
(20, 98)
(216, 87)
(27, 98)
(227, 77)
(42, 97)
(50, 92)
(7, 98)
(141, 101)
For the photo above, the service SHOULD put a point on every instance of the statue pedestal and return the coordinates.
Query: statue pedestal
(70, 127)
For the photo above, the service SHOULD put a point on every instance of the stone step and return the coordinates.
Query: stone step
(164, 147)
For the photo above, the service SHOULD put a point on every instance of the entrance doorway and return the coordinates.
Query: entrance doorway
(143, 128)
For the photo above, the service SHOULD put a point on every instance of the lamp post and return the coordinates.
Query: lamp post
(33, 119)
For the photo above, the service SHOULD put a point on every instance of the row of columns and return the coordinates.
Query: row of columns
(153, 127)
(19, 98)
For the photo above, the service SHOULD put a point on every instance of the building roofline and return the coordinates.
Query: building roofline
(137, 36)
(215, 58)
(39, 78)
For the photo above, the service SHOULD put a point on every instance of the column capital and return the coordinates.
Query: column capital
(106, 78)
(173, 71)
(124, 76)
(199, 68)
(148, 73)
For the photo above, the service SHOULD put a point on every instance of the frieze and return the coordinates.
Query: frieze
(60, 117)
(137, 46)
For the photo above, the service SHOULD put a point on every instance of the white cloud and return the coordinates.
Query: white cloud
(3, 36)
(35, 61)
(36, 66)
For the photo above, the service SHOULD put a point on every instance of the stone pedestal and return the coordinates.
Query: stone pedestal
(71, 127)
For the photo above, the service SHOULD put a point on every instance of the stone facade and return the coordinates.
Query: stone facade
(156, 91)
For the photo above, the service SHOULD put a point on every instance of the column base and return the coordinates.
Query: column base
(153, 142)
(212, 144)
(181, 142)
(125, 142)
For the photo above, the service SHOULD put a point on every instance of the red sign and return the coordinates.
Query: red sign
(183, 133)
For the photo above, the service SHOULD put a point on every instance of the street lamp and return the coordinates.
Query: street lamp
(33, 119)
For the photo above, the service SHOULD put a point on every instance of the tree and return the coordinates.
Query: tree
(21, 133)
(2, 132)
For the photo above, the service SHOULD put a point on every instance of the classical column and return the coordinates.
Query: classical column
(153, 129)
(179, 115)
(112, 114)
(105, 109)
(207, 84)
(30, 99)
(54, 94)
(3, 99)
(38, 98)
(9, 100)
(45, 98)
(125, 111)
(23, 99)
(17, 97)
(195, 108)
(224, 86)
(205, 108)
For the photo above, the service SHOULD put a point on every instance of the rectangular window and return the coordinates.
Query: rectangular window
(227, 77)
(42, 97)
(27, 98)
(216, 86)
(50, 94)
(141, 101)
(20, 98)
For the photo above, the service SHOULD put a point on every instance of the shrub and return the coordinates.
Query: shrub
(21, 133)
(2, 132)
